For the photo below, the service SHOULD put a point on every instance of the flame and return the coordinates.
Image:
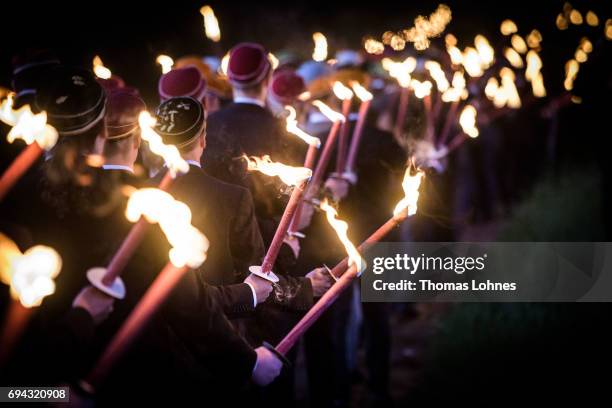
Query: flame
(513, 57)
(273, 61)
(561, 22)
(189, 245)
(224, 64)
(471, 62)
(211, 24)
(438, 75)
(400, 70)
(27, 126)
(586, 45)
(450, 40)
(518, 44)
(533, 74)
(511, 93)
(100, 70)
(32, 274)
(341, 228)
(166, 63)
(508, 27)
(534, 39)
(457, 91)
(592, 19)
(341, 91)
(452, 95)
(421, 89)
(320, 47)
(537, 86)
(373, 46)
(467, 120)
(571, 70)
(485, 51)
(608, 29)
(410, 185)
(575, 17)
(291, 176)
(292, 127)
(304, 96)
(170, 154)
(491, 87)
(424, 29)
(455, 55)
(362, 93)
(329, 113)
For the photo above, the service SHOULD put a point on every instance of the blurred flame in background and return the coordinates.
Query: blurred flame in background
(291, 176)
(26, 125)
(320, 47)
(211, 24)
(99, 69)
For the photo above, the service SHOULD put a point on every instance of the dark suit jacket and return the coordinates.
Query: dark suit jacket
(224, 213)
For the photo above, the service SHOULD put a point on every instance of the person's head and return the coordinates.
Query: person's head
(285, 88)
(185, 81)
(181, 122)
(75, 106)
(122, 137)
(249, 70)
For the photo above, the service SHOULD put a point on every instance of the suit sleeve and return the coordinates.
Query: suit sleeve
(236, 300)
(197, 317)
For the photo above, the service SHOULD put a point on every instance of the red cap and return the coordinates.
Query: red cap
(122, 111)
(248, 65)
(286, 86)
(186, 81)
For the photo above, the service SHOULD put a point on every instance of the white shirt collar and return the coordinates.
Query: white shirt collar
(195, 163)
(246, 99)
(117, 167)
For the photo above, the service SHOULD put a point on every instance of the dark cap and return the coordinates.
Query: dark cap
(122, 111)
(73, 100)
(180, 120)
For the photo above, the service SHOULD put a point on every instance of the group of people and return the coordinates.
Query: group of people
(206, 341)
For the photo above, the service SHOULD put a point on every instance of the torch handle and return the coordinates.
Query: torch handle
(427, 104)
(344, 133)
(283, 226)
(356, 138)
(311, 155)
(131, 241)
(136, 321)
(343, 281)
(325, 155)
(18, 167)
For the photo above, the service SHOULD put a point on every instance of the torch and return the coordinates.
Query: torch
(346, 96)
(31, 278)
(107, 279)
(467, 120)
(313, 145)
(337, 119)
(211, 27)
(365, 97)
(189, 249)
(32, 129)
(401, 72)
(405, 208)
(293, 176)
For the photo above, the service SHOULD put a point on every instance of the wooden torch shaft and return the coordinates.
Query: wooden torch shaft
(136, 321)
(283, 226)
(311, 156)
(344, 134)
(325, 155)
(356, 139)
(18, 168)
(343, 282)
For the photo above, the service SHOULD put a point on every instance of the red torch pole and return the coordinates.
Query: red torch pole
(325, 155)
(343, 142)
(283, 226)
(136, 321)
(18, 168)
(343, 281)
(311, 155)
(356, 139)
